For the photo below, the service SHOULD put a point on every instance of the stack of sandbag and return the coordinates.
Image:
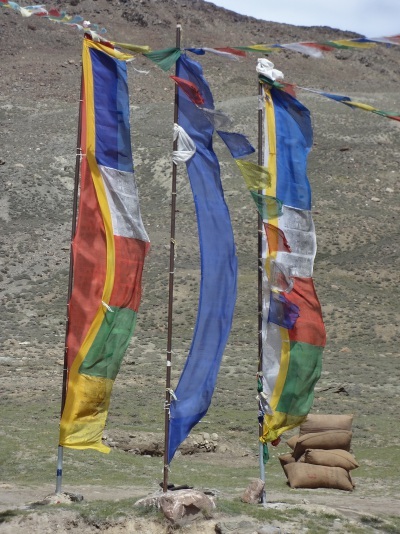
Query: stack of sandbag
(321, 455)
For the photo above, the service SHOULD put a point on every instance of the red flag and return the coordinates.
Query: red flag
(276, 239)
(190, 89)
(309, 327)
(319, 46)
(54, 12)
(289, 88)
(233, 51)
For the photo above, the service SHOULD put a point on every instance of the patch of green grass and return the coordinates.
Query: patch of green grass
(102, 512)
(384, 459)
(28, 455)
(8, 515)
(390, 525)
(258, 512)
(28, 451)
(372, 521)
(313, 522)
(231, 477)
(327, 523)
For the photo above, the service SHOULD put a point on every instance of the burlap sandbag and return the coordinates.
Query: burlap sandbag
(289, 459)
(333, 439)
(285, 459)
(324, 422)
(291, 442)
(302, 475)
(331, 458)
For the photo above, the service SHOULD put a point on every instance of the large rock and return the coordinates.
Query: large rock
(253, 492)
(183, 505)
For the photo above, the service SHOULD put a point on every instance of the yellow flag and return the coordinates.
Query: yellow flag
(257, 178)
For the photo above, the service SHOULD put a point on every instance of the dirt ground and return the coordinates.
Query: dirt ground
(348, 509)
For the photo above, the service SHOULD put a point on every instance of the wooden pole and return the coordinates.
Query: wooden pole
(171, 285)
(70, 280)
(260, 278)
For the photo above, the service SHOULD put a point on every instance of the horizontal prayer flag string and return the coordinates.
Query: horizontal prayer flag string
(316, 48)
(54, 15)
(167, 57)
(350, 103)
(291, 87)
(312, 48)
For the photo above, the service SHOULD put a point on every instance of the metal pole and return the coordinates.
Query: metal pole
(171, 285)
(260, 304)
(70, 280)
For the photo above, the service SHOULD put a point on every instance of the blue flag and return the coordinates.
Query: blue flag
(294, 139)
(282, 312)
(218, 265)
(238, 144)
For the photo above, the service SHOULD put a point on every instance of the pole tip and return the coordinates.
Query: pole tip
(179, 25)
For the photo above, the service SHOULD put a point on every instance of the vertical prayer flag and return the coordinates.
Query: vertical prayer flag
(293, 334)
(218, 265)
(108, 250)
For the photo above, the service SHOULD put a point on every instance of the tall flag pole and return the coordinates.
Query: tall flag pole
(108, 251)
(171, 284)
(260, 296)
(78, 156)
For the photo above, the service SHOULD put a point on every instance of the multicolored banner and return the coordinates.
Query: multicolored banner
(54, 15)
(108, 250)
(218, 263)
(352, 104)
(309, 48)
(293, 331)
(316, 48)
(165, 58)
(291, 88)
